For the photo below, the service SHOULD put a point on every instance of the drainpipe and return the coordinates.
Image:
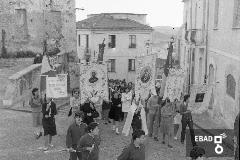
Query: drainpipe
(206, 50)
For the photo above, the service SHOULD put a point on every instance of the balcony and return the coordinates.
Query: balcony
(197, 37)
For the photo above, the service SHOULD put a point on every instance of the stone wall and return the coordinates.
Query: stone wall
(18, 90)
(27, 23)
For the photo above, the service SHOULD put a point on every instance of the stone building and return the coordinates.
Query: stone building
(125, 36)
(25, 24)
(210, 52)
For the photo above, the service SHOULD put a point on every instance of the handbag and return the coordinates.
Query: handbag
(95, 113)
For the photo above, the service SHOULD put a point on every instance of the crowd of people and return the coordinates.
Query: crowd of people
(83, 139)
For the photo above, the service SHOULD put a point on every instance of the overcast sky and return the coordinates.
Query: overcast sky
(159, 12)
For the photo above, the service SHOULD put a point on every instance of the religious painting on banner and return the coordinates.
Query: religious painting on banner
(174, 84)
(200, 96)
(145, 76)
(93, 81)
(56, 87)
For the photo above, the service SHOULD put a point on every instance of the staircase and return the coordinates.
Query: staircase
(7, 68)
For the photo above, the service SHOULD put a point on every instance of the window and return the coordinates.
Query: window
(21, 24)
(216, 13)
(132, 41)
(79, 40)
(53, 23)
(131, 65)
(112, 65)
(236, 14)
(112, 41)
(231, 85)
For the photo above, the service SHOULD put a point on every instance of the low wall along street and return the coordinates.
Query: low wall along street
(18, 90)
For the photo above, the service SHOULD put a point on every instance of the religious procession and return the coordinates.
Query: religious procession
(101, 82)
(142, 110)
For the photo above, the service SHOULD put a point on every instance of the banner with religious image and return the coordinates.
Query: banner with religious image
(56, 87)
(93, 81)
(200, 97)
(174, 84)
(145, 75)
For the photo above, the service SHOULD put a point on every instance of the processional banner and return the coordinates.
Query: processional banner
(93, 81)
(145, 75)
(200, 96)
(174, 84)
(56, 87)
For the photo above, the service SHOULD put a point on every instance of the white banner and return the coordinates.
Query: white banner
(145, 75)
(200, 97)
(174, 84)
(56, 86)
(93, 81)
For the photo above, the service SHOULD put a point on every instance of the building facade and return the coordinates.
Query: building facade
(25, 24)
(210, 52)
(124, 40)
(32, 25)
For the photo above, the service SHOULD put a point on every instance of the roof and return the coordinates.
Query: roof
(117, 13)
(108, 22)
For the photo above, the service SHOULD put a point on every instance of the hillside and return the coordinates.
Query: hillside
(167, 30)
(160, 37)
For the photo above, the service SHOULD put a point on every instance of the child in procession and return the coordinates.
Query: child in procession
(87, 109)
(74, 133)
(88, 144)
(49, 111)
(36, 106)
(136, 150)
(75, 102)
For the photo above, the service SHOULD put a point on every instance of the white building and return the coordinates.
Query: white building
(210, 51)
(126, 36)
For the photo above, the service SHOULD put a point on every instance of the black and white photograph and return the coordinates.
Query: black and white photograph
(142, 80)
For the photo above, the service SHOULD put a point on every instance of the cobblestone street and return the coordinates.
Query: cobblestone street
(18, 142)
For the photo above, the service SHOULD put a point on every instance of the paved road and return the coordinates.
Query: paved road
(17, 141)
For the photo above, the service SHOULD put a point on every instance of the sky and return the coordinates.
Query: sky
(159, 12)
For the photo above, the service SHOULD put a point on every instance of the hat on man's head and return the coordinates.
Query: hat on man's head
(197, 152)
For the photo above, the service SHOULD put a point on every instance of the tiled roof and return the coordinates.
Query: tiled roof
(108, 22)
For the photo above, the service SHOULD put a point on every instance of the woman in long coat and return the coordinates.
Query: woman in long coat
(115, 111)
(49, 111)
